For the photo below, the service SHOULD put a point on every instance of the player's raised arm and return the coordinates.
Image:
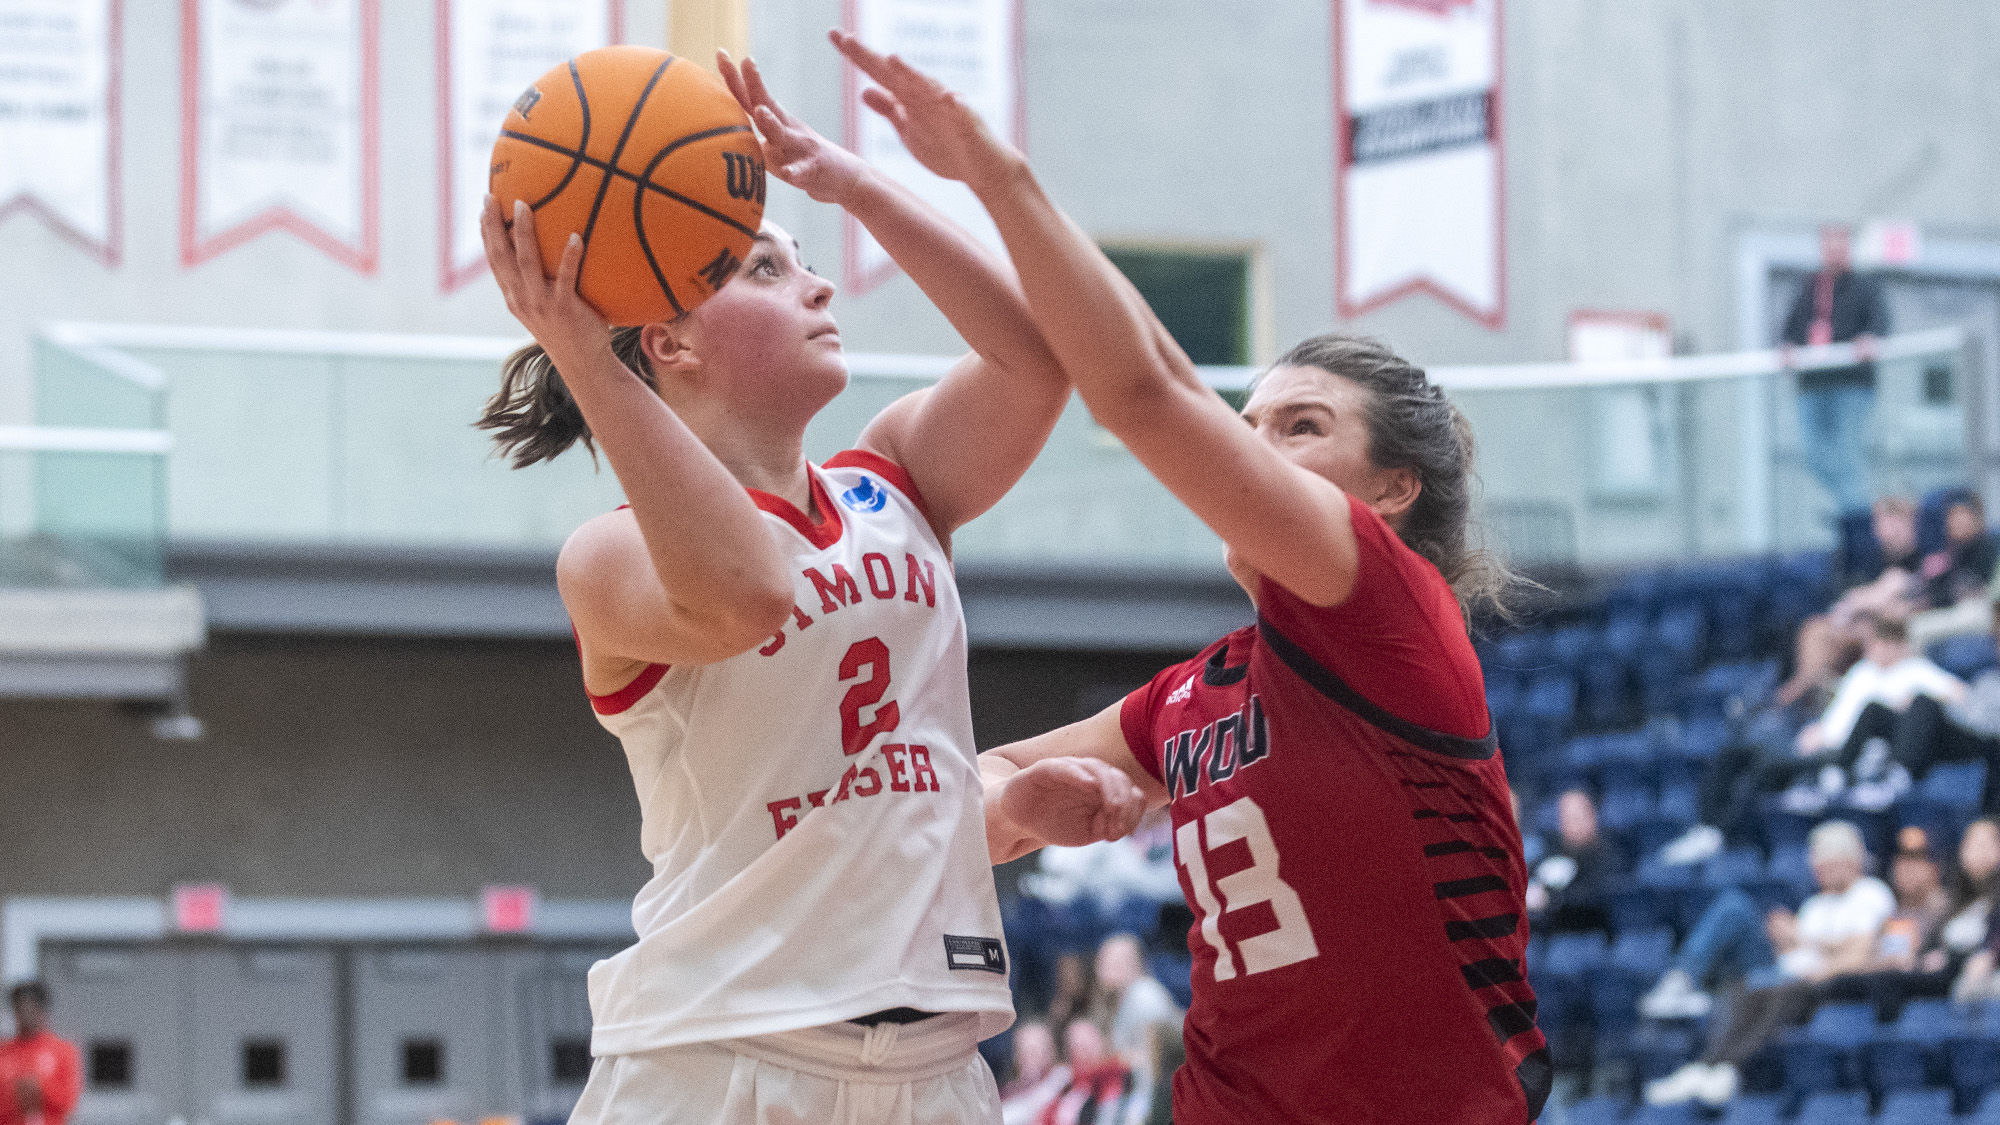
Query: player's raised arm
(966, 440)
(690, 574)
(1283, 521)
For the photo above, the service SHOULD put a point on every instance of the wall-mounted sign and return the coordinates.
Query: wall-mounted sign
(972, 46)
(59, 90)
(488, 51)
(1419, 204)
(280, 126)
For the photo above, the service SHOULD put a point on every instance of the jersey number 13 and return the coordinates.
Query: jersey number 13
(1292, 940)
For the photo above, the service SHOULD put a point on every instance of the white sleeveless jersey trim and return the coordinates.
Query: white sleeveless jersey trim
(812, 808)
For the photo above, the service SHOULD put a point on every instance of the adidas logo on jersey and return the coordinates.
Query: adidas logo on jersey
(1182, 693)
(1224, 746)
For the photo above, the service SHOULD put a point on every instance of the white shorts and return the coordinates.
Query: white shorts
(924, 1073)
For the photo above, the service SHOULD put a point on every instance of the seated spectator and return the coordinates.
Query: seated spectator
(1928, 731)
(1834, 932)
(1882, 583)
(1889, 673)
(1572, 882)
(1100, 1089)
(1037, 1077)
(1963, 573)
(1934, 932)
(1831, 756)
(1961, 569)
(1127, 1000)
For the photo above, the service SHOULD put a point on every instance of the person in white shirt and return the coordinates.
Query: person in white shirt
(1834, 932)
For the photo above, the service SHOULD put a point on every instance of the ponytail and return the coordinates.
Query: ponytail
(533, 417)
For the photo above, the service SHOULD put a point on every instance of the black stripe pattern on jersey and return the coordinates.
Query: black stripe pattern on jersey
(1481, 912)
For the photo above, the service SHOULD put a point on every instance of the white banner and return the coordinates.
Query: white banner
(59, 117)
(972, 46)
(280, 100)
(1420, 205)
(488, 52)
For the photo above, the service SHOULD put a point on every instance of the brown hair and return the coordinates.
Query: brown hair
(532, 415)
(1412, 425)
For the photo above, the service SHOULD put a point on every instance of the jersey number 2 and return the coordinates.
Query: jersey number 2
(1292, 940)
(873, 655)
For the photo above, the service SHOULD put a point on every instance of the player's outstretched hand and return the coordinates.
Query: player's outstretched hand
(549, 308)
(793, 151)
(1073, 801)
(939, 129)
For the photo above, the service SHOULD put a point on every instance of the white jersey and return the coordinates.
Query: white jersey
(812, 808)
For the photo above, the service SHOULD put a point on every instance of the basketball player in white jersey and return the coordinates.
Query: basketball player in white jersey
(779, 647)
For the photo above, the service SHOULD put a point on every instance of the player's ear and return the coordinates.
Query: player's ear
(665, 346)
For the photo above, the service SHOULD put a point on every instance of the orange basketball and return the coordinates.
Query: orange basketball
(650, 159)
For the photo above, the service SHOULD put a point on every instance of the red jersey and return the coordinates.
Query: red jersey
(1343, 833)
(52, 1063)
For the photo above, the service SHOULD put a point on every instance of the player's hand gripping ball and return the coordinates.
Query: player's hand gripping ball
(650, 159)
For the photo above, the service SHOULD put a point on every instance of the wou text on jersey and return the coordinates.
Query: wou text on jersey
(840, 588)
(1217, 751)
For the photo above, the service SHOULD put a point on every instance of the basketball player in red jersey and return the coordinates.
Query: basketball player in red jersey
(780, 650)
(1341, 815)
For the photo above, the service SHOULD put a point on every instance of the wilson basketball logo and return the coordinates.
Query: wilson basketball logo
(743, 177)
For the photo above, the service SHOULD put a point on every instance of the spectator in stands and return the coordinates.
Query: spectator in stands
(1134, 1009)
(1830, 756)
(1934, 933)
(1100, 1090)
(1038, 1077)
(41, 1075)
(1733, 940)
(1572, 882)
(1929, 731)
(1959, 578)
(1890, 673)
(1834, 932)
(1127, 1001)
(1837, 306)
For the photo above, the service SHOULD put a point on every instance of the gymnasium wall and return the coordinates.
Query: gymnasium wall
(376, 768)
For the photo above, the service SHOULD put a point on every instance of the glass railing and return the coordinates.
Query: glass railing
(95, 469)
(366, 440)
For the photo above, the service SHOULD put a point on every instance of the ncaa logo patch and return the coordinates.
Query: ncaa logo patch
(866, 496)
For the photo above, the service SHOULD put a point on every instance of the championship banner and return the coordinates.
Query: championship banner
(488, 51)
(279, 126)
(59, 87)
(1419, 204)
(973, 47)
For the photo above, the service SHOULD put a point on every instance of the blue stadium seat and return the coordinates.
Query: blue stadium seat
(1622, 809)
(1734, 868)
(1570, 956)
(1521, 651)
(1605, 698)
(1683, 1114)
(1176, 971)
(1681, 630)
(1596, 1111)
(1825, 1055)
(1635, 907)
(1930, 1022)
(1954, 785)
(1753, 1109)
(1679, 803)
(1972, 1066)
(1985, 1112)
(1565, 647)
(1701, 739)
(1894, 1063)
(1624, 633)
(1966, 656)
(1849, 1108)
(1916, 1107)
